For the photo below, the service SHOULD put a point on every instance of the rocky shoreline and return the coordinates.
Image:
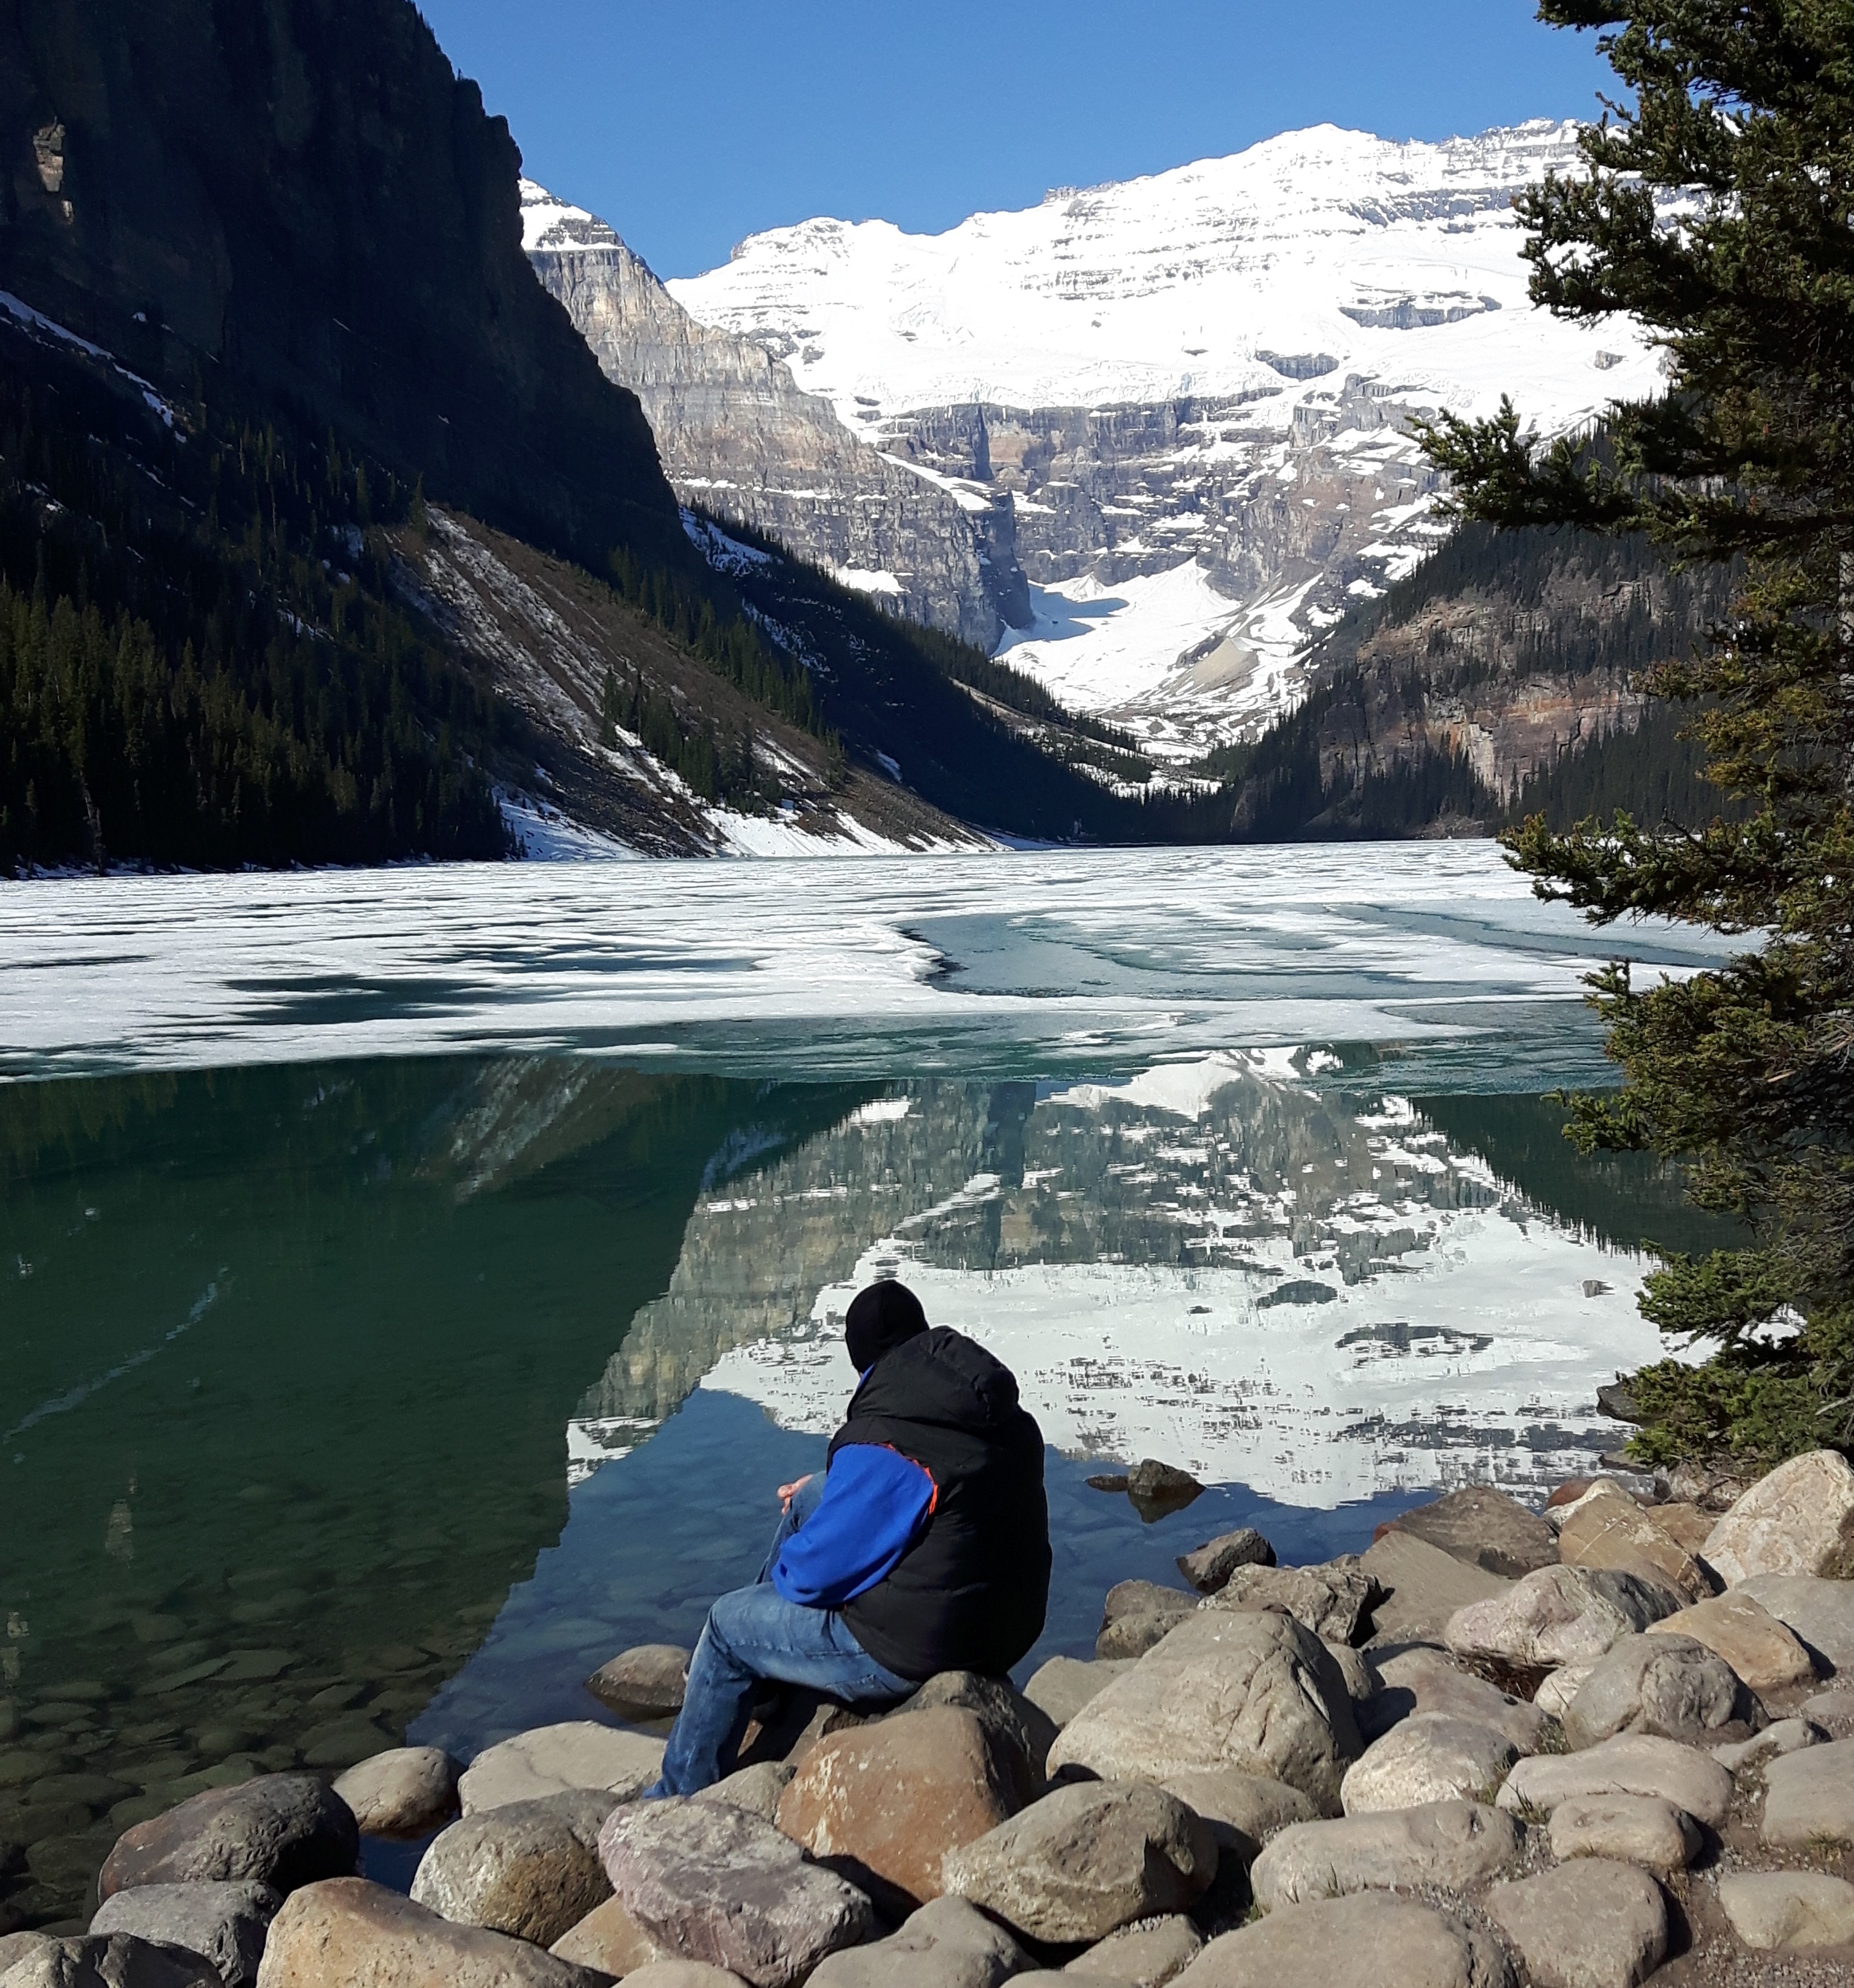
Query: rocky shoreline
(1584, 1749)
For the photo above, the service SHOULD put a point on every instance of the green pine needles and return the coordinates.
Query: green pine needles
(1717, 210)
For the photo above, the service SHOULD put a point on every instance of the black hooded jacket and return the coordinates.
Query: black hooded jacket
(971, 1593)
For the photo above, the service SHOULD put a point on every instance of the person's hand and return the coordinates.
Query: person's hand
(788, 1492)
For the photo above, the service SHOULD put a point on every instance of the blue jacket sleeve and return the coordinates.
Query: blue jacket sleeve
(875, 1504)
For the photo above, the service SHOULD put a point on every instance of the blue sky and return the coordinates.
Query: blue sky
(690, 123)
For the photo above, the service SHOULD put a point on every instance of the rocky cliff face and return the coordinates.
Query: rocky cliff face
(1194, 389)
(305, 203)
(739, 438)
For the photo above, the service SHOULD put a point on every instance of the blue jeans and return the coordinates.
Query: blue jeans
(754, 1634)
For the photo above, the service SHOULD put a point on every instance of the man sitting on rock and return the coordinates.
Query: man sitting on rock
(925, 1547)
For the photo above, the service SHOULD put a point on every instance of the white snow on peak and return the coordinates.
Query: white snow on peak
(550, 222)
(1323, 249)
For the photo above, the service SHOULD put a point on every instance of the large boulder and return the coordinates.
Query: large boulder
(1808, 1797)
(348, 1933)
(710, 1882)
(1819, 1613)
(279, 1830)
(1370, 1937)
(1064, 1685)
(1766, 1655)
(645, 1682)
(1633, 1763)
(1558, 1615)
(1016, 1720)
(1590, 1924)
(947, 1944)
(1209, 1568)
(1484, 1528)
(109, 1960)
(884, 1804)
(757, 1789)
(1243, 1811)
(1421, 1587)
(1608, 1530)
(405, 1792)
(1788, 1912)
(1086, 1859)
(553, 1759)
(1669, 1685)
(1797, 1520)
(528, 1868)
(1452, 1844)
(1228, 1688)
(1333, 1599)
(225, 1922)
(1627, 1829)
(1426, 1680)
(1430, 1757)
(1138, 1613)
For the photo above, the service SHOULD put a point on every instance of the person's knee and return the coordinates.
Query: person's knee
(728, 1623)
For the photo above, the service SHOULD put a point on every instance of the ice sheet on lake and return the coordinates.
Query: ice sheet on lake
(1086, 962)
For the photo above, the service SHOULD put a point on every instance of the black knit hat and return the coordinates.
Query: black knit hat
(882, 1317)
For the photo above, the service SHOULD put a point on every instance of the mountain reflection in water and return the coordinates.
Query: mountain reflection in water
(300, 1363)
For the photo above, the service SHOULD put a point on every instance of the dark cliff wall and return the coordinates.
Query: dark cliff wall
(299, 199)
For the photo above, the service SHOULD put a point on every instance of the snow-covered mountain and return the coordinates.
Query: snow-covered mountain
(1193, 387)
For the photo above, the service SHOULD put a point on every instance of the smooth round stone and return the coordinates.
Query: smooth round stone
(1627, 1829)
(1430, 1757)
(551, 1759)
(403, 1792)
(1788, 1912)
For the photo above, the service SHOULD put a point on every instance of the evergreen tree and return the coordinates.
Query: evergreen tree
(1718, 211)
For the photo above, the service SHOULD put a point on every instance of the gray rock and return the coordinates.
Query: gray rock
(1209, 1568)
(1421, 1588)
(710, 1882)
(530, 1869)
(1243, 1810)
(403, 1793)
(1227, 1687)
(348, 1933)
(1429, 1758)
(1015, 1719)
(1559, 1615)
(1808, 1797)
(1449, 1843)
(1370, 1937)
(1426, 1680)
(1142, 1956)
(1787, 1735)
(1799, 1520)
(1064, 1685)
(1669, 1685)
(1087, 1859)
(1819, 1613)
(1559, 1687)
(279, 1830)
(1633, 1763)
(110, 1960)
(1486, 1529)
(681, 1974)
(16, 1947)
(225, 1922)
(1333, 1599)
(1137, 1614)
(1354, 1667)
(553, 1759)
(1788, 1912)
(947, 1944)
(755, 1789)
(646, 1682)
(1592, 1924)
(1150, 1483)
(1627, 1829)
(1832, 1711)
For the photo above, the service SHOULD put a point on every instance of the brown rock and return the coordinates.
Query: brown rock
(1611, 1531)
(1333, 1599)
(1015, 1719)
(1208, 1567)
(1484, 1528)
(402, 1793)
(1137, 1614)
(1243, 1811)
(347, 1933)
(528, 1868)
(882, 1806)
(608, 1940)
(1141, 1956)
(1422, 1587)
(646, 1682)
(1765, 1654)
(279, 1830)
(1064, 1685)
